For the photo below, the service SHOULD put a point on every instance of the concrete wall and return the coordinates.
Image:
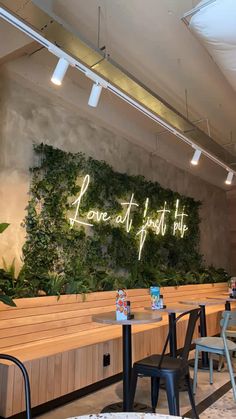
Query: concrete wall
(231, 198)
(28, 115)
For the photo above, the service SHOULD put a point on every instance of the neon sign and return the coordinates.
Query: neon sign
(158, 224)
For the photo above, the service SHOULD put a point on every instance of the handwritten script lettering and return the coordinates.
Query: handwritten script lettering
(157, 223)
(179, 224)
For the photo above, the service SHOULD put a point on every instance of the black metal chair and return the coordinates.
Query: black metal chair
(172, 370)
(26, 381)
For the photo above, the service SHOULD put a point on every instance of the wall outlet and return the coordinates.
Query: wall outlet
(106, 359)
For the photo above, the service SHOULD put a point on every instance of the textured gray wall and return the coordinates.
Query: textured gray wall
(28, 116)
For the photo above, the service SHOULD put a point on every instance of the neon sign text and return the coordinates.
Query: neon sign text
(158, 224)
(179, 224)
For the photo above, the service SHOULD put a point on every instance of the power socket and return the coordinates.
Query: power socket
(106, 359)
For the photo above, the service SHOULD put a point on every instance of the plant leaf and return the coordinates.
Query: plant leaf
(3, 227)
(7, 300)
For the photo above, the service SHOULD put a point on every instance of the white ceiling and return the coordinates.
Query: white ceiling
(214, 25)
(148, 39)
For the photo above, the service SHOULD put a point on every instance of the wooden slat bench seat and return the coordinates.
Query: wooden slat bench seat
(63, 349)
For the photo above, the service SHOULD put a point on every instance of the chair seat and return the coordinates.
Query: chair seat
(168, 364)
(171, 369)
(215, 343)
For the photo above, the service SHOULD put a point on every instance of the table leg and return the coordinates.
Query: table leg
(172, 329)
(203, 333)
(127, 364)
(127, 368)
(227, 306)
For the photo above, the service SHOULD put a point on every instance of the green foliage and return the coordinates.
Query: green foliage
(3, 227)
(11, 285)
(59, 259)
(4, 295)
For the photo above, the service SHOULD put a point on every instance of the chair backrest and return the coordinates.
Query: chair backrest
(228, 324)
(193, 317)
(26, 381)
(228, 320)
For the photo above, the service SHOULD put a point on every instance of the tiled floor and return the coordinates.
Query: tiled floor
(224, 407)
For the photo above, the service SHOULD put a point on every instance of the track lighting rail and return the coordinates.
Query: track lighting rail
(100, 82)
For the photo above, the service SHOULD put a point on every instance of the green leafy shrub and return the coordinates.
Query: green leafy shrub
(13, 285)
(59, 259)
(3, 227)
(4, 279)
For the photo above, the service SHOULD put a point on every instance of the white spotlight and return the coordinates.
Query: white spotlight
(229, 178)
(59, 71)
(196, 157)
(95, 95)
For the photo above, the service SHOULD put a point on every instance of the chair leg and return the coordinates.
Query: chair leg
(155, 386)
(211, 368)
(191, 396)
(133, 385)
(231, 373)
(221, 358)
(195, 370)
(172, 390)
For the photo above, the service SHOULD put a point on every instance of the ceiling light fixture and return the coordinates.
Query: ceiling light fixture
(196, 157)
(229, 178)
(60, 71)
(95, 95)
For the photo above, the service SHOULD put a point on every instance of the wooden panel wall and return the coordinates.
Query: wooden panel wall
(41, 322)
(63, 350)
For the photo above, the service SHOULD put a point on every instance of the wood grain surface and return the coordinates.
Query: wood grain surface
(63, 348)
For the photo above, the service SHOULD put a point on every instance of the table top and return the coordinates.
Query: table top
(141, 317)
(174, 308)
(223, 298)
(128, 415)
(196, 302)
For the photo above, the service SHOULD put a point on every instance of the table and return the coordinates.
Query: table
(129, 415)
(224, 299)
(204, 364)
(172, 310)
(139, 318)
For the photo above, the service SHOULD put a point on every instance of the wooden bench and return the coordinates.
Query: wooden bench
(63, 349)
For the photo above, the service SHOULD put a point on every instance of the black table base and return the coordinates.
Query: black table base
(127, 365)
(118, 407)
(203, 366)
